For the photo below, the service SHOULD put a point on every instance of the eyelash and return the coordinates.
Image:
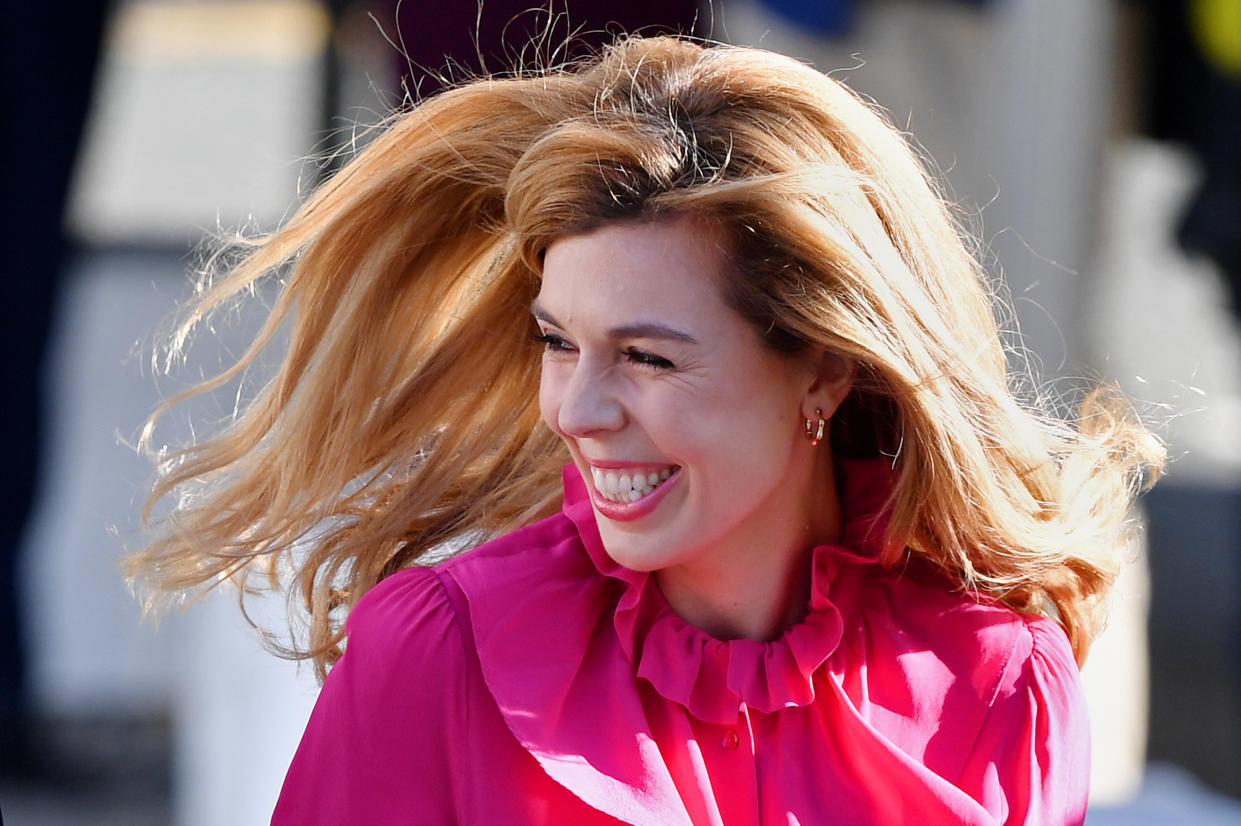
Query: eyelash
(552, 342)
(555, 344)
(648, 360)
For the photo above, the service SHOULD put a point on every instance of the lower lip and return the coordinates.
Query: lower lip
(629, 511)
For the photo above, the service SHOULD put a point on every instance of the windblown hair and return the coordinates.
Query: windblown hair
(403, 419)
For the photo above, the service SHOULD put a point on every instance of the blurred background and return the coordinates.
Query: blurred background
(1093, 147)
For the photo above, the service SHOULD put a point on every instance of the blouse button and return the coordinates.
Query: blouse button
(731, 740)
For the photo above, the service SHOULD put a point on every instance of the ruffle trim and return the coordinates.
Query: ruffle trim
(712, 677)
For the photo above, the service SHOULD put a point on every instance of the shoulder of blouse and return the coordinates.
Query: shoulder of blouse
(408, 610)
(969, 636)
(1033, 749)
(370, 747)
(1019, 739)
(393, 613)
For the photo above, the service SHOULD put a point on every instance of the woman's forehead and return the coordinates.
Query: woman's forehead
(655, 278)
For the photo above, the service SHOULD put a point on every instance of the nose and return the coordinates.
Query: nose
(589, 403)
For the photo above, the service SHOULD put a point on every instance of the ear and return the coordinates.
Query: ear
(832, 379)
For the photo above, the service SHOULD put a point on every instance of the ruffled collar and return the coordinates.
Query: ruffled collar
(712, 677)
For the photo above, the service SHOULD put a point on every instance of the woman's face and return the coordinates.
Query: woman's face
(688, 431)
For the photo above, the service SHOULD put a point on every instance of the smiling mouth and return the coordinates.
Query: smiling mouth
(631, 484)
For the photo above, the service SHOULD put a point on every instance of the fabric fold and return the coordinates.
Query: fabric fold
(711, 678)
(880, 690)
(549, 688)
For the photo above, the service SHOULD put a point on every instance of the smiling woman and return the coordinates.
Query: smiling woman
(760, 533)
(648, 370)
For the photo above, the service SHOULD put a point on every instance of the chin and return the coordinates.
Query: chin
(641, 556)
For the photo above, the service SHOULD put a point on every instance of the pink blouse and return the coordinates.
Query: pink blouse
(535, 681)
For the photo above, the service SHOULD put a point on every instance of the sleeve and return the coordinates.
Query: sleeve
(1030, 765)
(378, 747)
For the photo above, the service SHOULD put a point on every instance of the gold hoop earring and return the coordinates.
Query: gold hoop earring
(815, 432)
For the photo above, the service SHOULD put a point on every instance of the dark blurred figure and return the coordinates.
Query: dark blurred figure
(1194, 74)
(459, 33)
(48, 53)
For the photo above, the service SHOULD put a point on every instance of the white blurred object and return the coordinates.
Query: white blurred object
(202, 113)
(1162, 319)
(90, 653)
(1117, 680)
(239, 714)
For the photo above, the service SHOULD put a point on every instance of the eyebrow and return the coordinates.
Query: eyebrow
(639, 329)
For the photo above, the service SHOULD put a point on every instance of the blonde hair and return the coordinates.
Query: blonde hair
(403, 418)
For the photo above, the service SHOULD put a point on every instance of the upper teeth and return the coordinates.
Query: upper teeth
(630, 484)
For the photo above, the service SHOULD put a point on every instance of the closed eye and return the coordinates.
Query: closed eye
(648, 359)
(553, 343)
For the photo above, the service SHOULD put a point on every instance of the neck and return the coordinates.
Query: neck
(740, 607)
(761, 586)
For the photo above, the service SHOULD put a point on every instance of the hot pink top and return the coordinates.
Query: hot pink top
(534, 681)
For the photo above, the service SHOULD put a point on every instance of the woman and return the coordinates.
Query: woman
(809, 560)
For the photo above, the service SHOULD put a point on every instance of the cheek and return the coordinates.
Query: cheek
(746, 439)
